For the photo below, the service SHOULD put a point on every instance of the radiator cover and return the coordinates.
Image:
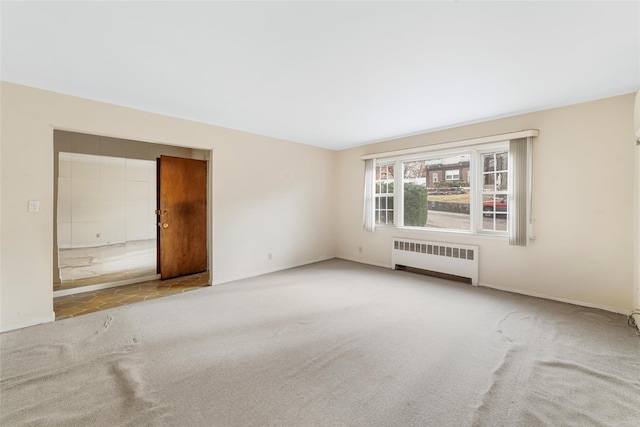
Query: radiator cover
(447, 258)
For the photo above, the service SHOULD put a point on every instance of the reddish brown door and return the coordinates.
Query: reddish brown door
(182, 216)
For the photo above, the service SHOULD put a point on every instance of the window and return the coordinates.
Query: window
(495, 191)
(482, 185)
(471, 197)
(414, 188)
(383, 206)
(452, 175)
(444, 205)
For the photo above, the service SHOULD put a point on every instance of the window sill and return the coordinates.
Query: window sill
(484, 235)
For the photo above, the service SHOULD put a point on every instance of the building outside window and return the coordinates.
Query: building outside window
(430, 190)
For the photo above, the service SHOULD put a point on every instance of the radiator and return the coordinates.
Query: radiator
(447, 258)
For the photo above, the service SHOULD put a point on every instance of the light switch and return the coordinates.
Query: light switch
(34, 205)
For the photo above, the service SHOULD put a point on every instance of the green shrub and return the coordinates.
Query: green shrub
(451, 184)
(415, 205)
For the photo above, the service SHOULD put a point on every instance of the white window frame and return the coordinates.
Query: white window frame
(475, 152)
(478, 176)
(385, 164)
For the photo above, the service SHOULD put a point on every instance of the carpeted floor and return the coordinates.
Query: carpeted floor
(330, 344)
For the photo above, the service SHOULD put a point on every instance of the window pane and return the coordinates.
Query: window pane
(489, 163)
(494, 191)
(415, 193)
(384, 187)
(494, 222)
(501, 161)
(436, 193)
(494, 212)
(489, 182)
(501, 181)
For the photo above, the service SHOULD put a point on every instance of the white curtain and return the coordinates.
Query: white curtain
(368, 214)
(520, 185)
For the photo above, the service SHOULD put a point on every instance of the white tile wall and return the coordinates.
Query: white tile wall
(64, 188)
(114, 210)
(137, 230)
(64, 165)
(85, 233)
(64, 199)
(152, 231)
(107, 201)
(85, 166)
(85, 189)
(83, 210)
(113, 168)
(138, 170)
(112, 189)
(137, 191)
(138, 210)
(64, 235)
(112, 232)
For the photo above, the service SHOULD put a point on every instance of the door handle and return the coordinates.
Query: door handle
(163, 224)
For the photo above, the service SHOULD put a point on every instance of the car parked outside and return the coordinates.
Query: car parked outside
(498, 206)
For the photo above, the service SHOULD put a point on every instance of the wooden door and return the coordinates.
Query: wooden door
(182, 216)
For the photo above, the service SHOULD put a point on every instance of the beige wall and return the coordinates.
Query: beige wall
(290, 200)
(583, 250)
(269, 195)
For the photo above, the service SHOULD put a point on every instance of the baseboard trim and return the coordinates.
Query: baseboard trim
(361, 261)
(32, 322)
(554, 298)
(267, 271)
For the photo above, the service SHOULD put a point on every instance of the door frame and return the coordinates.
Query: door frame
(125, 147)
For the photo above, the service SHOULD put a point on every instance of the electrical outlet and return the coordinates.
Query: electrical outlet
(34, 206)
(269, 256)
(360, 249)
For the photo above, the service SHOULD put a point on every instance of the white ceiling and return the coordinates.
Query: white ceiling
(331, 74)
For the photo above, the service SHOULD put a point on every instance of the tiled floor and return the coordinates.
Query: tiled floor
(89, 302)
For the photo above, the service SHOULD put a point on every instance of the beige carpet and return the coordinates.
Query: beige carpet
(330, 344)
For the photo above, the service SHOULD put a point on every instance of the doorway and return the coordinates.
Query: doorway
(105, 225)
